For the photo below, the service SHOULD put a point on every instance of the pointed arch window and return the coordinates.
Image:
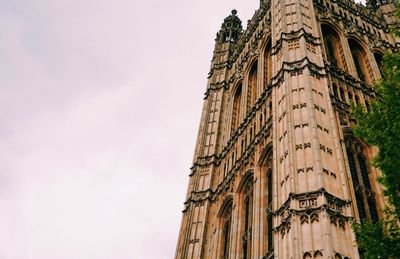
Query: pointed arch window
(342, 94)
(226, 219)
(330, 52)
(365, 197)
(359, 70)
(247, 219)
(227, 234)
(267, 63)
(335, 90)
(361, 62)
(252, 86)
(333, 47)
(378, 59)
(236, 107)
(267, 169)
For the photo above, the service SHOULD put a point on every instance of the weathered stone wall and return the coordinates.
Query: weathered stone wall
(276, 171)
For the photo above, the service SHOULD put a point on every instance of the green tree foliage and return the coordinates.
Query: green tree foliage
(380, 126)
(378, 240)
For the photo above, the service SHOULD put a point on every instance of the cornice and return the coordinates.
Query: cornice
(308, 195)
(295, 35)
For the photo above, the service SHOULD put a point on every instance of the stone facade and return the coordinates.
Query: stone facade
(277, 172)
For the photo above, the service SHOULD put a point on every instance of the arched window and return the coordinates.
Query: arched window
(342, 94)
(365, 197)
(361, 63)
(267, 63)
(236, 107)
(225, 221)
(350, 97)
(227, 234)
(333, 48)
(247, 216)
(252, 86)
(378, 58)
(335, 90)
(267, 172)
(357, 100)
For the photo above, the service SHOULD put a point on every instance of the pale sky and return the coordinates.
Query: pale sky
(100, 105)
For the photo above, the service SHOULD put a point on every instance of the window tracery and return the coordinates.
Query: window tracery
(226, 219)
(247, 194)
(378, 59)
(252, 86)
(333, 48)
(267, 63)
(361, 62)
(365, 197)
(236, 108)
(268, 171)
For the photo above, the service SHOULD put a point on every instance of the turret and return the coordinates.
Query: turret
(227, 37)
(231, 29)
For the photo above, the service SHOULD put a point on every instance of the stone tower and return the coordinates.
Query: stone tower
(277, 172)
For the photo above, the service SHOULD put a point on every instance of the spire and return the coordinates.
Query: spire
(231, 29)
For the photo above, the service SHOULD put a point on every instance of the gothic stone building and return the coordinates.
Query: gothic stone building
(277, 172)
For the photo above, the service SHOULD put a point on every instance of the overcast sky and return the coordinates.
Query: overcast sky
(99, 108)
